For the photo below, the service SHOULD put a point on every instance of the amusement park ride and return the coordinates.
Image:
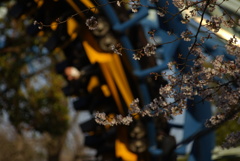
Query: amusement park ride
(109, 82)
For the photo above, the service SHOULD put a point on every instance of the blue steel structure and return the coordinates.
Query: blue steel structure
(195, 116)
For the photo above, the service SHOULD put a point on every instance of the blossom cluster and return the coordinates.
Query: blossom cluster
(232, 140)
(201, 81)
(179, 3)
(92, 23)
(134, 4)
(117, 49)
(216, 80)
(103, 119)
(147, 50)
(214, 23)
(186, 35)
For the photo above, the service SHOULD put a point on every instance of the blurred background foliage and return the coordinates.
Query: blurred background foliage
(26, 94)
(30, 91)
